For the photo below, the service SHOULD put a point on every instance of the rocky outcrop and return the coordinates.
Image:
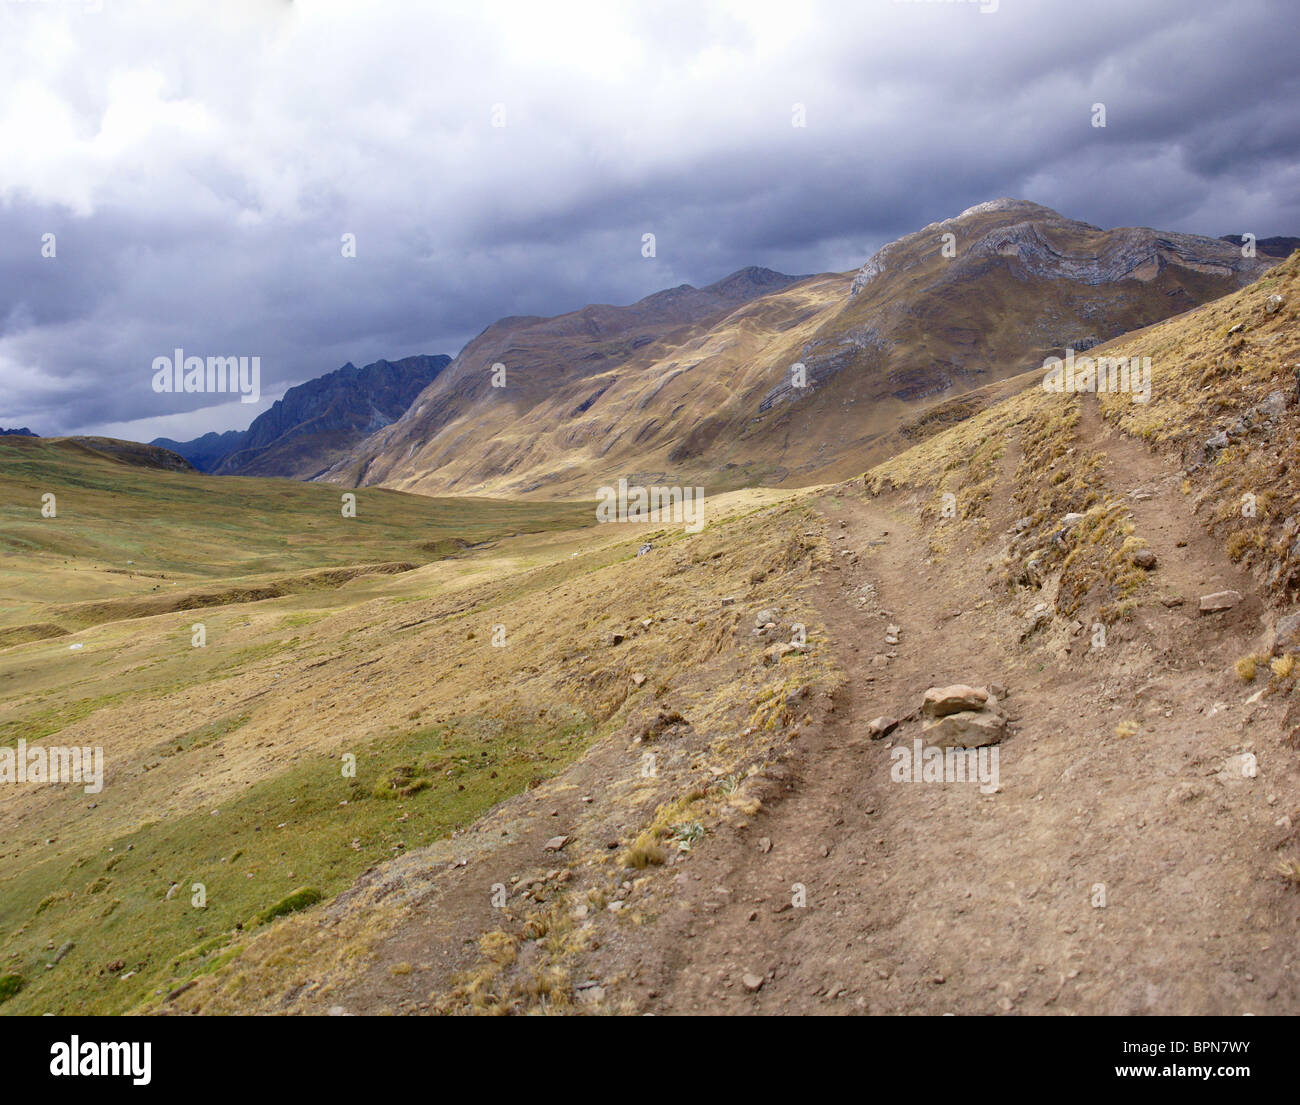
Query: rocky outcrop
(1046, 244)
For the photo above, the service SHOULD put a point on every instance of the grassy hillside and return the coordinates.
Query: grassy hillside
(1227, 367)
(144, 539)
(224, 763)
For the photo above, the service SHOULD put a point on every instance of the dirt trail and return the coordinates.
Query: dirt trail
(931, 898)
(850, 892)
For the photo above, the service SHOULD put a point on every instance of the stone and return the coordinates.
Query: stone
(644, 549)
(1038, 618)
(966, 729)
(765, 616)
(1220, 600)
(1274, 405)
(1144, 559)
(881, 727)
(1216, 441)
(1273, 304)
(1286, 634)
(1241, 768)
(774, 653)
(752, 982)
(555, 843)
(940, 701)
(637, 679)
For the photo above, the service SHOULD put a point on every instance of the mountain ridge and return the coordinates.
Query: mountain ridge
(959, 304)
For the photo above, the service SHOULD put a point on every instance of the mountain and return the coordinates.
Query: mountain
(205, 452)
(556, 369)
(685, 388)
(24, 432)
(316, 423)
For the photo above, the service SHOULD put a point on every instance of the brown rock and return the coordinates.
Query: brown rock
(966, 729)
(1286, 634)
(1220, 600)
(1144, 559)
(941, 701)
(881, 727)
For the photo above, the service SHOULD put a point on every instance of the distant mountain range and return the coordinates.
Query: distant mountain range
(316, 423)
(205, 452)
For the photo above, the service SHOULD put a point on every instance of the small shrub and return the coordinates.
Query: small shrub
(644, 852)
(299, 899)
(10, 984)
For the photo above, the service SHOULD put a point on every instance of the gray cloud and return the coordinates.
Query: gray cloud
(198, 163)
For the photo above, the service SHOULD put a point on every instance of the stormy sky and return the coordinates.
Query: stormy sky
(199, 163)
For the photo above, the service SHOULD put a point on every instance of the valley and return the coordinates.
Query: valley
(462, 754)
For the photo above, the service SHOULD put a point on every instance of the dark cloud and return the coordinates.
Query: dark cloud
(199, 163)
